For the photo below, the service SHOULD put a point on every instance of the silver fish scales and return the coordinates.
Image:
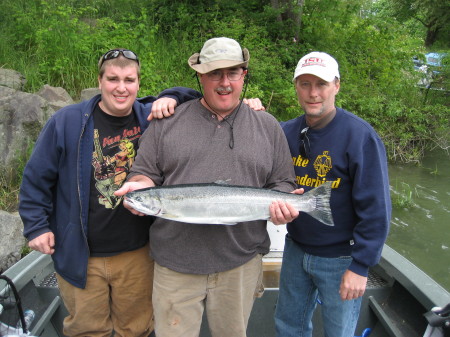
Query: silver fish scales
(220, 203)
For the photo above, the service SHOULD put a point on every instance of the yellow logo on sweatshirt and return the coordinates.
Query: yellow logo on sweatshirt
(322, 165)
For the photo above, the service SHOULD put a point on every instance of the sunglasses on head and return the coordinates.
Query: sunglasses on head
(304, 143)
(115, 53)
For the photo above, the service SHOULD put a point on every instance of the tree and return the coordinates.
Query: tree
(433, 15)
(290, 10)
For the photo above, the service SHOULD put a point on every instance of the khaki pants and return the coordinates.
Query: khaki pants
(118, 296)
(180, 299)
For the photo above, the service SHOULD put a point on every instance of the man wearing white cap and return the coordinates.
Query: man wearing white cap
(322, 264)
(212, 268)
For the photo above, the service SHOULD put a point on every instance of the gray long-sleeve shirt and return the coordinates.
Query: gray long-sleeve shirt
(193, 147)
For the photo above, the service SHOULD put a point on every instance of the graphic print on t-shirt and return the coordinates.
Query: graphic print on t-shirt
(111, 167)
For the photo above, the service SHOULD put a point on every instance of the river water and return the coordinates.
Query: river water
(420, 226)
(420, 229)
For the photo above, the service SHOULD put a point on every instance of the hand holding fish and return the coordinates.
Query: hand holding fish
(281, 213)
(135, 183)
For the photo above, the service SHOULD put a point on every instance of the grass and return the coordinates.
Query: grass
(435, 171)
(402, 197)
(25, 251)
(9, 190)
(10, 180)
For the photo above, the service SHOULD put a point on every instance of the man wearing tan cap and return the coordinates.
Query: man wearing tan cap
(322, 264)
(212, 267)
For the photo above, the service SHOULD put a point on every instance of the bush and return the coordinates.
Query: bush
(58, 42)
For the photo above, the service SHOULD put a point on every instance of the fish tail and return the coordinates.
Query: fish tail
(322, 195)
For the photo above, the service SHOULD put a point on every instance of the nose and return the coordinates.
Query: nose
(224, 79)
(314, 91)
(121, 86)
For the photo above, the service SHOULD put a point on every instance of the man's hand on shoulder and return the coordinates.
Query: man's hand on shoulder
(165, 107)
(254, 103)
(162, 107)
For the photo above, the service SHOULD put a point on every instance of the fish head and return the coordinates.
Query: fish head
(144, 202)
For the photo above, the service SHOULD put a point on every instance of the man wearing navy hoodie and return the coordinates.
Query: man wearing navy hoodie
(322, 264)
(67, 203)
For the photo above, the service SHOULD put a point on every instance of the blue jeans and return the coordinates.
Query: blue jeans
(306, 280)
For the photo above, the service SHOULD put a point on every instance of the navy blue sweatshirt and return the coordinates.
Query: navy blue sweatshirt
(54, 195)
(349, 153)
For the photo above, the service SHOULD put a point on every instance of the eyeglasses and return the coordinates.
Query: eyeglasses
(115, 53)
(232, 75)
(304, 143)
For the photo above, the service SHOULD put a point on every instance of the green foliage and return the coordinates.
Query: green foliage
(402, 198)
(10, 180)
(25, 251)
(58, 42)
(9, 190)
(429, 18)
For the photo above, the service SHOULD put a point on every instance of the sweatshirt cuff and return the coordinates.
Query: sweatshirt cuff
(359, 268)
(35, 234)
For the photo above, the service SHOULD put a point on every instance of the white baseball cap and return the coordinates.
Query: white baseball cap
(318, 64)
(218, 53)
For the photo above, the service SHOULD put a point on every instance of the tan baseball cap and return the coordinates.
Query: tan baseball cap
(219, 53)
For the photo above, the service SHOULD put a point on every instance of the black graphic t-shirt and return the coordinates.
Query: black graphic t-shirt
(112, 229)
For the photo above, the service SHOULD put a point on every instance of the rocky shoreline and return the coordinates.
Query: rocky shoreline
(22, 116)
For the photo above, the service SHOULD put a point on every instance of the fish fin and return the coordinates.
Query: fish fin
(322, 195)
